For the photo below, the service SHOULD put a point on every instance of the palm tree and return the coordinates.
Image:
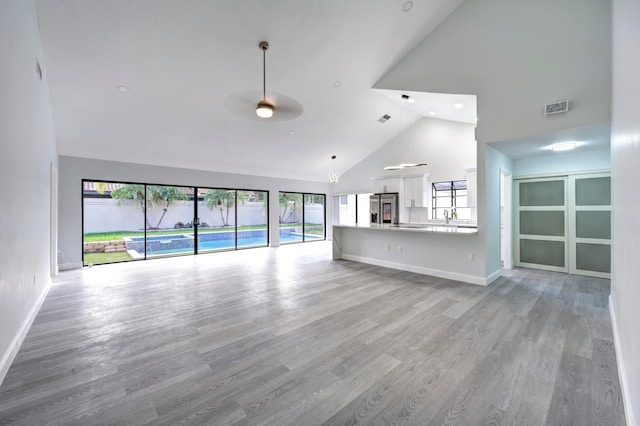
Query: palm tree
(291, 203)
(223, 200)
(135, 192)
(154, 195)
(166, 195)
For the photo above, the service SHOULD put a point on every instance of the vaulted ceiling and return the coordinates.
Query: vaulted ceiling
(193, 71)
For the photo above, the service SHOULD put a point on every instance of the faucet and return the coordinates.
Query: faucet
(446, 216)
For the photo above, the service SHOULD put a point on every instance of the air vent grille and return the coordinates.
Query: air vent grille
(556, 107)
(384, 118)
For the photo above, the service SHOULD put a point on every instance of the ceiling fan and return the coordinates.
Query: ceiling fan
(274, 107)
(264, 108)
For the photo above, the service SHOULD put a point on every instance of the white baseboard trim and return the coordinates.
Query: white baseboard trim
(14, 346)
(70, 266)
(622, 371)
(471, 279)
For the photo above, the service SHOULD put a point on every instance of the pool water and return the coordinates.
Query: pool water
(221, 244)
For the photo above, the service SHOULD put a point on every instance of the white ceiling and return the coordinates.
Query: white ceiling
(596, 137)
(192, 66)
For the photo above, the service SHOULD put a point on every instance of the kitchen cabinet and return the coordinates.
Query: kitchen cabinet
(387, 185)
(416, 191)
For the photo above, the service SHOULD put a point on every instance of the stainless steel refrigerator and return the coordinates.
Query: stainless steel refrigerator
(384, 208)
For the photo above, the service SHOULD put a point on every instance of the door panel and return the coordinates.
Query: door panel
(541, 252)
(590, 216)
(541, 224)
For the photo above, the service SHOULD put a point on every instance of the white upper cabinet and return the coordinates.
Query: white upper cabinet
(387, 185)
(416, 191)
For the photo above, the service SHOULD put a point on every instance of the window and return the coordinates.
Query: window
(452, 196)
(302, 217)
(124, 221)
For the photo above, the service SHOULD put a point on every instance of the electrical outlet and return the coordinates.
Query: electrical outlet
(387, 247)
(470, 257)
(400, 249)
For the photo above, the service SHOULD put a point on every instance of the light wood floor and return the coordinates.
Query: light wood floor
(287, 336)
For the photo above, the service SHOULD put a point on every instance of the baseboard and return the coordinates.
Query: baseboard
(622, 371)
(15, 344)
(70, 266)
(471, 279)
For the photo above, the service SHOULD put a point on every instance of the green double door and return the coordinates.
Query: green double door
(563, 223)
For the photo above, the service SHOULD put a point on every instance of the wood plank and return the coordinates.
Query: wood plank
(288, 336)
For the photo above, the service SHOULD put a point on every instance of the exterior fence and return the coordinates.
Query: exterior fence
(105, 215)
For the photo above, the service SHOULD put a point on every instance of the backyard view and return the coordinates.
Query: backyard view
(131, 221)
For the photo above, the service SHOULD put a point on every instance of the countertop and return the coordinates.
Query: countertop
(410, 227)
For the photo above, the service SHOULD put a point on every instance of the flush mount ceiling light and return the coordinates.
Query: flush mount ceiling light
(122, 89)
(406, 99)
(334, 176)
(564, 146)
(264, 108)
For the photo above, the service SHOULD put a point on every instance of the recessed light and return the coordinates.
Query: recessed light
(122, 89)
(458, 105)
(432, 113)
(337, 83)
(564, 146)
(407, 6)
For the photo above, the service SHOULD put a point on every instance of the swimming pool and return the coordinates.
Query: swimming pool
(163, 245)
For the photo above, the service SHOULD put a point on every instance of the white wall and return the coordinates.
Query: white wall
(625, 160)
(27, 153)
(495, 162)
(447, 146)
(563, 162)
(440, 255)
(73, 170)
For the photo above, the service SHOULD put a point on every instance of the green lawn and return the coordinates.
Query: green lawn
(98, 258)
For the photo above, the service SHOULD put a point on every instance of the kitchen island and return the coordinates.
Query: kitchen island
(446, 251)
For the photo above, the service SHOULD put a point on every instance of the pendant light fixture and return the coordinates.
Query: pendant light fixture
(264, 108)
(334, 176)
(405, 99)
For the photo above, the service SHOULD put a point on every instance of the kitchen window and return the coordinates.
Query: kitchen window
(452, 196)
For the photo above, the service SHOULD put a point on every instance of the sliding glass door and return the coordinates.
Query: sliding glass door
(112, 212)
(302, 217)
(563, 224)
(131, 221)
(314, 216)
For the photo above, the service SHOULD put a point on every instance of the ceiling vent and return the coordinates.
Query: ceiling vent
(556, 107)
(384, 118)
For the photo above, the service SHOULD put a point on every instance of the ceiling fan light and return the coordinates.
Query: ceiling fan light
(264, 109)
